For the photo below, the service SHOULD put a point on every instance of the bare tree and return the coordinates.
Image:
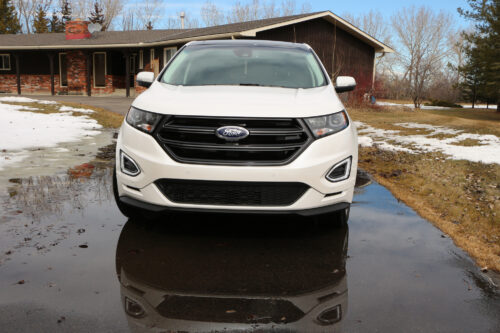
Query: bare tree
(111, 9)
(253, 10)
(129, 20)
(211, 14)
(270, 9)
(174, 22)
(148, 12)
(305, 8)
(244, 12)
(373, 23)
(27, 9)
(288, 7)
(421, 37)
(81, 8)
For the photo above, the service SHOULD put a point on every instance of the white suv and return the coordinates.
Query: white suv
(238, 126)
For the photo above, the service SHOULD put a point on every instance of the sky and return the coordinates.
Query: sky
(339, 7)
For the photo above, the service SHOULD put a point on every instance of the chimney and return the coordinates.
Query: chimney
(77, 29)
(183, 15)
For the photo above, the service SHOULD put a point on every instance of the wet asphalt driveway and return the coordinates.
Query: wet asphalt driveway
(64, 248)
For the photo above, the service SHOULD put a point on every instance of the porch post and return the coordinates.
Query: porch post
(127, 73)
(51, 63)
(18, 74)
(89, 69)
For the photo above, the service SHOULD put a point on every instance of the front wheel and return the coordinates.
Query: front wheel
(337, 219)
(341, 217)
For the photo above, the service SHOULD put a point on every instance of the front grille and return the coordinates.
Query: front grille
(229, 310)
(231, 193)
(272, 141)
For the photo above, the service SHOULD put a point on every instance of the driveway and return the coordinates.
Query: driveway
(64, 247)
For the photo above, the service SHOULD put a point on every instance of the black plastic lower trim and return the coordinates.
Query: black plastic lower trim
(302, 212)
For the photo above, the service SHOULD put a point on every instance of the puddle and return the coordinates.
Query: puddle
(81, 262)
(54, 160)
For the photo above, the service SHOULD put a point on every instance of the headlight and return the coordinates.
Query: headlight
(326, 125)
(142, 120)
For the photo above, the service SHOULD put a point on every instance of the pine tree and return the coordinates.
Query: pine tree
(40, 22)
(55, 24)
(484, 47)
(65, 11)
(97, 16)
(9, 22)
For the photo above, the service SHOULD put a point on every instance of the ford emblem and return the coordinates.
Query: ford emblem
(232, 133)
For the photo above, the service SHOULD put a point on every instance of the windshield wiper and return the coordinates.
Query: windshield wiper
(250, 84)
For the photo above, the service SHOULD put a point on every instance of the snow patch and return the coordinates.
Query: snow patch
(412, 106)
(432, 107)
(17, 99)
(21, 131)
(65, 108)
(488, 150)
(365, 141)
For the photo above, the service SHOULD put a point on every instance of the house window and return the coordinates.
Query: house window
(63, 70)
(4, 62)
(141, 59)
(132, 63)
(151, 57)
(168, 53)
(99, 69)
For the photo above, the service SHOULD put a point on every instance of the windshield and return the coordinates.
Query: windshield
(202, 65)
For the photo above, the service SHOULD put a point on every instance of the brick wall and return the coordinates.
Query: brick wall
(29, 84)
(77, 71)
(8, 83)
(77, 80)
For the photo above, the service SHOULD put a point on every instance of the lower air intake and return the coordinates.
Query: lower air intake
(231, 193)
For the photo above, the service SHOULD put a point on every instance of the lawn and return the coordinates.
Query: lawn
(431, 160)
(106, 118)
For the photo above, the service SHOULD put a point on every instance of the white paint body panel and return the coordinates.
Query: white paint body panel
(237, 101)
(310, 167)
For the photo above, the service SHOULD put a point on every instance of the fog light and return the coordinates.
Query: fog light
(133, 308)
(340, 171)
(128, 165)
(330, 316)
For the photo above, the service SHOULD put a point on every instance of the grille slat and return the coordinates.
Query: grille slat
(272, 141)
(230, 147)
(231, 193)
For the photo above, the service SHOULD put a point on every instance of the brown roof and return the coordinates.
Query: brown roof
(139, 38)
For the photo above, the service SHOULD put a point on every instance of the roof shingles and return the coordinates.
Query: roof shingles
(135, 37)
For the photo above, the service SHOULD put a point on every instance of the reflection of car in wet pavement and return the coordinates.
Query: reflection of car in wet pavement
(205, 277)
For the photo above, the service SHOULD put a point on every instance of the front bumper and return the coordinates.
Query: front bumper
(309, 168)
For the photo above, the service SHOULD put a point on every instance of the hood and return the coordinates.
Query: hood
(238, 101)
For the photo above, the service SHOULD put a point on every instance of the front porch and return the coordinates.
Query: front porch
(103, 72)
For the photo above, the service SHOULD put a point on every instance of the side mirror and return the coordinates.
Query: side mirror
(345, 83)
(145, 79)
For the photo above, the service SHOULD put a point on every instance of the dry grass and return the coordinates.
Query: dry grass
(106, 118)
(461, 198)
(467, 143)
(473, 121)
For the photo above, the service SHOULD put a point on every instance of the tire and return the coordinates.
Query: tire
(127, 210)
(336, 219)
(341, 217)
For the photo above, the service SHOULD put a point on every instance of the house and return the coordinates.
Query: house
(80, 62)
